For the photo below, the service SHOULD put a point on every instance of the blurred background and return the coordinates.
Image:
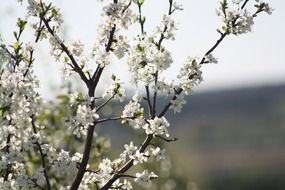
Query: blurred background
(232, 131)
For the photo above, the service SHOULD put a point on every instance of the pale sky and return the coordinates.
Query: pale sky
(255, 58)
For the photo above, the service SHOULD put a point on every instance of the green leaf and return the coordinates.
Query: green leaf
(143, 18)
(113, 77)
(66, 59)
(140, 2)
(21, 24)
(139, 113)
(226, 29)
(140, 48)
(15, 34)
(17, 46)
(224, 4)
(4, 109)
(64, 98)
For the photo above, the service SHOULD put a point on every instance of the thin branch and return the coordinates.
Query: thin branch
(223, 35)
(170, 11)
(128, 176)
(109, 119)
(68, 53)
(162, 37)
(42, 157)
(179, 90)
(99, 70)
(166, 139)
(141, 22)
(154, 96)
(30, 62)
(104, 103)
(128, 165)
(113, 119)
(7, 171)
(148, 100)
(244, 4)
(84, 162)
(92, 171)
(140, 18)
(91, 92)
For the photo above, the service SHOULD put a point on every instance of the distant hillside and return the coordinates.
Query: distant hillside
(234, 139)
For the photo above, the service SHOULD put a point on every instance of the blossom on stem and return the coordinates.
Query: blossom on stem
(144, 178)
(177, 103)
(157, 126)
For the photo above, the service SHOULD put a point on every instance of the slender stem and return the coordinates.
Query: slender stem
(68, 53)
(7, 171)
(179, 90)
(90, 131)
(140, 18)
(97, 74)
(166, 139)
(223, 35)
(141, 22)
(30, 62)
(42, 157)
(84, 162)
(148, 100)
(109, 119)
(128, 165)
(244, 4)
(166, 108)
(154, 96)
(113, 119)
(170, 11)
(162, 37)
(128, 176)
(105, 103)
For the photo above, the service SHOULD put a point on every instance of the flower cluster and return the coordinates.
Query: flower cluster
(133, 114)
(144, 178)
(146, 59)
(157, 126)
(85, 117)
(116, 16)
(177, 103)
(190, 75)
(115, 90)
(240, 20)
(20, 103)
(167, 28)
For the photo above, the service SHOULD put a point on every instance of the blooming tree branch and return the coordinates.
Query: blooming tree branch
(23, 112)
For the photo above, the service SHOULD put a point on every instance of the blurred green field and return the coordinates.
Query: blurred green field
(233, 139)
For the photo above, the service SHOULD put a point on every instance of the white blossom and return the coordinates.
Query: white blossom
(177, 6)
(158, 153)
(157, 126)
(210, 58)
(144, 178)
(115, 90)
(77, 48)
(177, 103)
(133, 114)
(130, 149)
(85, 116)
(139, 157)
(190, 75)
